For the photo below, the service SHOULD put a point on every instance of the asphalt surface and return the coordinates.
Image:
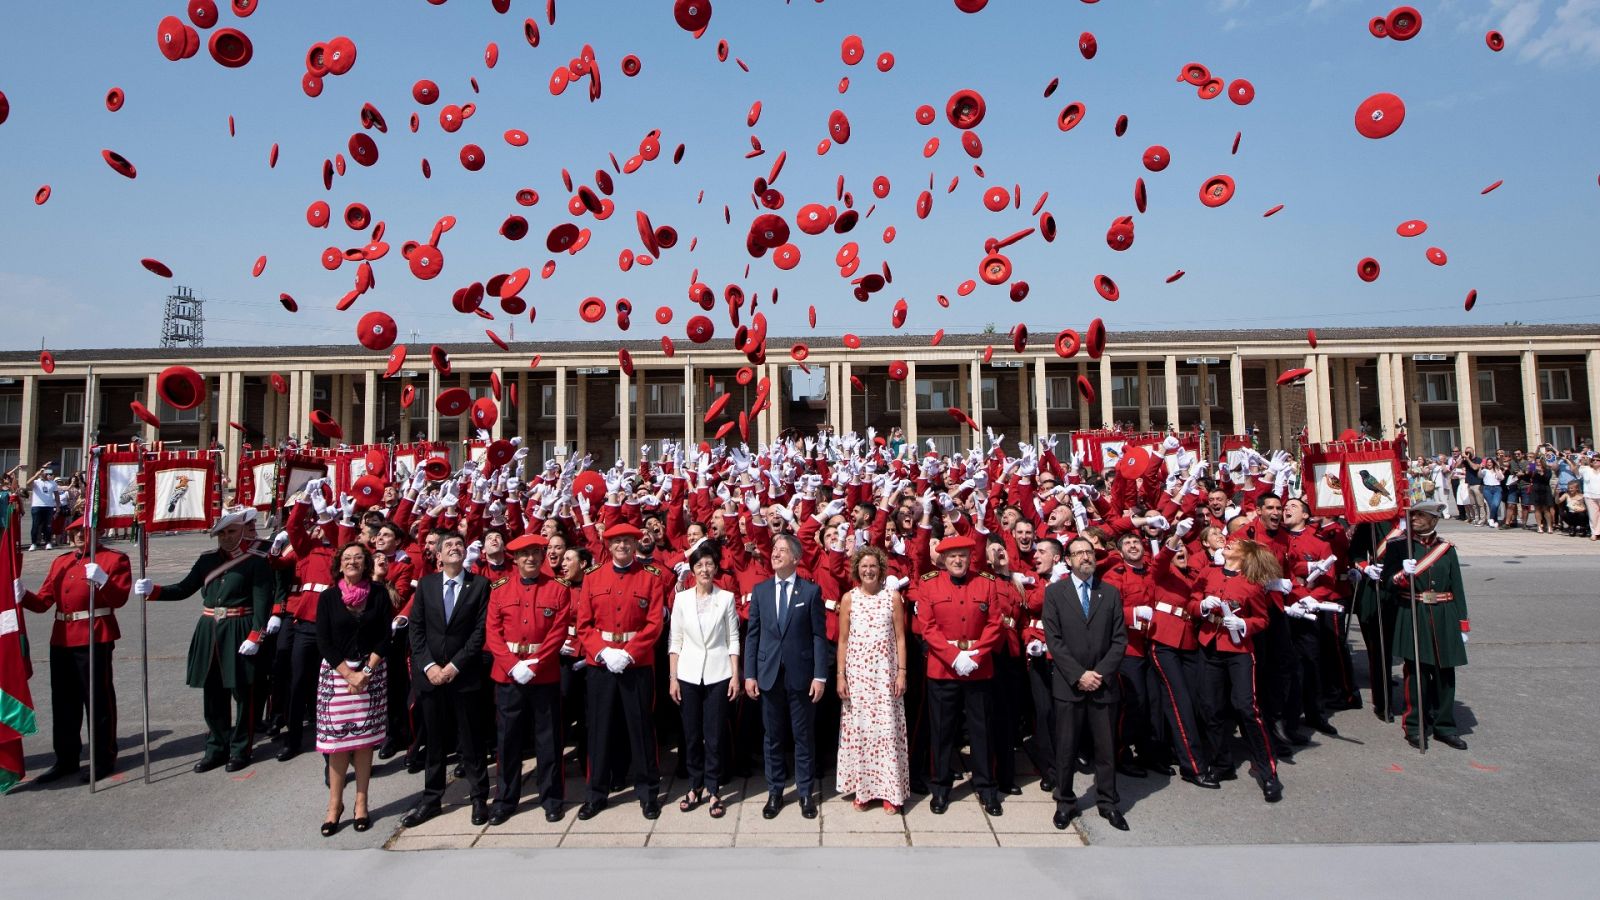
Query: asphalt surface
(1528, 776)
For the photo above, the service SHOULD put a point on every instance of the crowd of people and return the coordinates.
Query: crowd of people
(1546, 490)
(904, 620)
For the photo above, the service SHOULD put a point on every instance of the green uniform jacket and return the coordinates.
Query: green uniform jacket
(248, 584)
(1368, 593)
(1440, 623)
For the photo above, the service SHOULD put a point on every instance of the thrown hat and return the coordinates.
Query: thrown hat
(181, 387)
(325, 425)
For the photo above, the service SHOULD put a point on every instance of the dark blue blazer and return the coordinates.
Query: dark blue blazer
(799, 646)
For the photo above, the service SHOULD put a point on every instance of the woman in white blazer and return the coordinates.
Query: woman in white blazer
(703, 656)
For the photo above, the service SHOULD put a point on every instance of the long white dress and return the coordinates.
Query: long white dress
(873, 760)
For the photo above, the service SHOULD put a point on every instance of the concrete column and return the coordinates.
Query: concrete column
(640, 433)
(296, 403)
(308, 399)
(975, 438)
(963, 389)
(269, 417)
(1024, 426)
(1532, 412)
(207, 414)
(775, 400)
(433, 411)
(1041, 398)
(1144, 395)
(1107, 410)
(369, 407)
(582, 398)
(1324, 396)
(1169, 370)
(1203, 389)
(625, 417)
(522, 411)
(1591, 365)
(1406, 385)
(147, 432)
(561, 413)
(1314, 432)
(691, 408)
(233, 437)
(847, 399)
(1236, 393)
(1078, 401)
(346, 385)
(1274, 424)
(1467, 400)
(908, 406)
(28, 450)
(1386, 396)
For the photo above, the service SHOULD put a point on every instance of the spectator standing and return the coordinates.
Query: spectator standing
(44, 498)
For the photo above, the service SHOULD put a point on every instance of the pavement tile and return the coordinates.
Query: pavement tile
(964, 814)
(699, 821)
(953, 839)
(748, 839)
(840, 816)
(1024, 818)
(433, 842)
(863, 839)
(530, 820)
(789, 820)
(454, 820)
(621, 816)
(605, 840)
(1068, 838)
(501, 841)
(659, 839)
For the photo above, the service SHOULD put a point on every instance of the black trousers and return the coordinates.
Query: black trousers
(573, 701)
(397, 657)
(1010, 698)
(1379, 665)
(42, 517)
(950, 700)
(633, 692)
(916, 711)
(705, 717)
(1277, 678)
(1134, 732)
(788, 718)
(1043, 749)
(1228, 696)
(1177, 674)
(69, 699)
(1338, 669)
(524, 711)
(299, 644)
(1305, 641)
(1077, 721)
(227, 712)
(447, 709)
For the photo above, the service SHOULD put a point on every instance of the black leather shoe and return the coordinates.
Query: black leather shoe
(238, 763)
(415, 763)
(1115, 819)
(992, 806)
(1300, 737)
(1131, 770)
(590, 810)
(1011, 790)
(388, 751)
(1047, 784)
(1230, 773)
(651, 807)
(288, 753)
(1203, 780)
(1451, 740)
(1064, 817)
(938, 804)
(460, 771)
(419, 814)
(206, 764)
(57, 773)
(1271, 789)
(480, 812)
(774, 803)
(499, 815)
(552, 813)
(808, 807)
(1323, 726)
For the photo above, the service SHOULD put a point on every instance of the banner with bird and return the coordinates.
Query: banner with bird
(180, 491)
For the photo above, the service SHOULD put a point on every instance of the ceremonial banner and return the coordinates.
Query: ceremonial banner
(299, 468)
(180, 492)
(1322, 479)
(16, 701)
(1373, 485)
(258, 480)
(119, 487)
(408, 456)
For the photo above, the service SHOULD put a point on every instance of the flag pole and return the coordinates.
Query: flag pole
(1411, 585)
(92, 526)
(141, 539)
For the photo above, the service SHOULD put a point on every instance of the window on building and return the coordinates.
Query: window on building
(8, 459)
(946, 444)
(891, 396)
(1563, 437)
(1125, 391)
(1491, 441)
(1188, 390)
(10, 409)
(548, 450)
(937, 394)
(1485, 386)
(664, 400)
(1060, 392)
(991, 393)
(1437, 387)
(71, 462)
(72, 408)
(1555, 385)
(547, 400)
(633, 398)
(178, 416)
(1443, 440)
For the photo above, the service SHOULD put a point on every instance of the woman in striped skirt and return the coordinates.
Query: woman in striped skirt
(352, 714)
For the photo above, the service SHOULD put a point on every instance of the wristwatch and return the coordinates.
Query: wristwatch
(366, 669)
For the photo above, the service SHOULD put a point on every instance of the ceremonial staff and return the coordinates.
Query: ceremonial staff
(141, 540)
(92, 524)
(1416, 635)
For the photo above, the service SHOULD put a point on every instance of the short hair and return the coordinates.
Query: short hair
(870, 550)
(393, 529)
(1050, 543)
(1269, 496)
(366, 558)
(711, 550)
(787, 538)
(584, 555)
(1080, 539)
(448, 534)
(1136, 536)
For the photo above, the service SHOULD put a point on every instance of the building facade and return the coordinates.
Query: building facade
(1483, 387)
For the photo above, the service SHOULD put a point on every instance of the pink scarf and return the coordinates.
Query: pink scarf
(355, 595)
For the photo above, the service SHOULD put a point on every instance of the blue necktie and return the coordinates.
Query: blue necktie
(449, 599)
(783, 602)
(1083, 588)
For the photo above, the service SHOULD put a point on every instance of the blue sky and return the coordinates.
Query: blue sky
(208, 205)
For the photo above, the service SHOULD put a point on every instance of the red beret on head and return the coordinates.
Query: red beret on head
(956, 542)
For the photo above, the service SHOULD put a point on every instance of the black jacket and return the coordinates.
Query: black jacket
(460, 641)
(1078, 645)
(343, 637)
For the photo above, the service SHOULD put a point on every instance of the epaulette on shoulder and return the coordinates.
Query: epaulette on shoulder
(495, 584)
(562, 581)
(592, 569)
(988, 575)
(651, 569)
(929, 575)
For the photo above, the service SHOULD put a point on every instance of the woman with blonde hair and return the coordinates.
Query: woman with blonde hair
(1230, 603)
(873, 759)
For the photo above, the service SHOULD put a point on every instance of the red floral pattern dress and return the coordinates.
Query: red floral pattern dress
(873, 761)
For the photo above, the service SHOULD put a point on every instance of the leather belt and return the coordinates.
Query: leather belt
(82, 614)
(830, 605)
(1171, 610)
(963, 645)
(225, 612)
(1434, 598)
(618, 637)
(523, 649)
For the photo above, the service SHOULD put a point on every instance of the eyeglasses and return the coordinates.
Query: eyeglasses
(1081, 553)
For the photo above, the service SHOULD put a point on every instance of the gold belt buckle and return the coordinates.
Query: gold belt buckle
(1429, 598)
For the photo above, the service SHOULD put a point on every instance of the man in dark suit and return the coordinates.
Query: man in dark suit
(1084, 629)
(447, 622)
(786, 665)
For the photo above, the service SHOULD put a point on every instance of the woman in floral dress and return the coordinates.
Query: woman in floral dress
(873, 762)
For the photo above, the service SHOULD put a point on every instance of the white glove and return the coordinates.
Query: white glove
(1236, 627)
(144, 587)
(1374, 571)
(95, 574)
(419, 478)
(752, 503)
(474, 551)
(1158, 521)
(248, 648)
(966, 663)
(1035, 648)
(1217, 557)
(1319, 568)
(1059, 571)
(620, 660)
(1296, 611)
(1183, 528)
(1281, 585)
(835, 507)
(347, 505)
(1170, 444)
(319, 503)
(895, 583)
(522, 672)
(1143, 613)
(398, 623)
(1210, 605)
(681, 569)
(278, 543)
(1410, 566)
(273, 624)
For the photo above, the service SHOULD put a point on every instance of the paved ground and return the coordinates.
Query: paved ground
(1527, 777)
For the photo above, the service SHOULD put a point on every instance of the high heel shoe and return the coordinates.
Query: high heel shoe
(361, 823)
(329, 829)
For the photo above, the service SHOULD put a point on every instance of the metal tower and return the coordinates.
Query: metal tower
(184, 323)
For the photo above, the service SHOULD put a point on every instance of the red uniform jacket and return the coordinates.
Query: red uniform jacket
(1133, 584)
(1169, 591)
(314, 568)
(623, 608)
(67, 589)
(956, 616)
(528, 621)
(1248, 600)
(1033, 613)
